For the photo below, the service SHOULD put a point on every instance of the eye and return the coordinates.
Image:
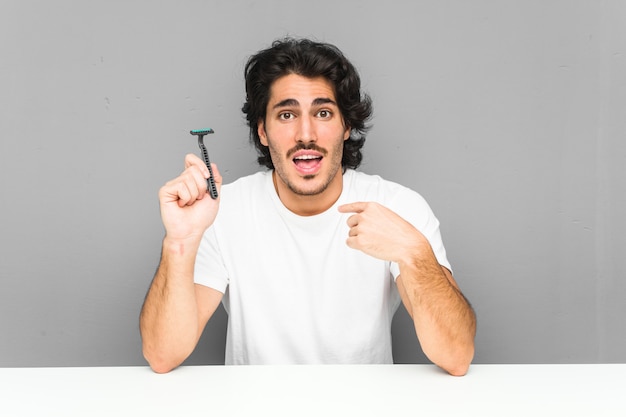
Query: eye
(324, 114)
(286, 116)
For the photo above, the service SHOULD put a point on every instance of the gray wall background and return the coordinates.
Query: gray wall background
(508, 116)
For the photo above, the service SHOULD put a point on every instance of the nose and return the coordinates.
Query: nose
(306, 131)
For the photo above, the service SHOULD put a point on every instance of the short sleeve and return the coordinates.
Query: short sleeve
(413, 208)
(209, 268)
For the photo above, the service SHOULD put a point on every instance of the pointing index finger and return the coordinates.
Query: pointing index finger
(355, 207)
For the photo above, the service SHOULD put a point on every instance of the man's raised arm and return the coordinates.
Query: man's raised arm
(176, 309)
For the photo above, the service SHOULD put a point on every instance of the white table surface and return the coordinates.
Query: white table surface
(311, 390)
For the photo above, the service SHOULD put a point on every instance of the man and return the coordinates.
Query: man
(310, 258)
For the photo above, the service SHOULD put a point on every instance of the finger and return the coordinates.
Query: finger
(351, 242)
(197, 182)
(194, 160)
(194, 182)
(353, 220)
(183, 194)
(168, 193)
(186, 188)
(355, 207)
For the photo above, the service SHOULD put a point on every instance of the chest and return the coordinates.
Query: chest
(304, 262)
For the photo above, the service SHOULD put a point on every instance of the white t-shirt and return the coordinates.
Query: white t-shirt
(295, 293)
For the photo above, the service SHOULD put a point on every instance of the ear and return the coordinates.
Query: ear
(260, 128)
(347, 132)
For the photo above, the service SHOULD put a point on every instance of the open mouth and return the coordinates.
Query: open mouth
(308, 162)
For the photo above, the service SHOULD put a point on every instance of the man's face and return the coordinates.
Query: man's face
(304, 131)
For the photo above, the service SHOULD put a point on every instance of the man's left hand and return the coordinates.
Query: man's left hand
(381, 233)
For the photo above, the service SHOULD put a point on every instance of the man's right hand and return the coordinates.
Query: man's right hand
(187, 210)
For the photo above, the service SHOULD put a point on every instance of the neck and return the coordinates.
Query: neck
(309, 205)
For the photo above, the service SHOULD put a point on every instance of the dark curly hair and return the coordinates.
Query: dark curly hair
(309, 59)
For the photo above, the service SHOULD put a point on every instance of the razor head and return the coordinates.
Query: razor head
(202, 132)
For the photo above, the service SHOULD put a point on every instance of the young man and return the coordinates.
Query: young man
(310, 258)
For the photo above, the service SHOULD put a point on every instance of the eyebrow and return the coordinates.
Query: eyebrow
(292, 102)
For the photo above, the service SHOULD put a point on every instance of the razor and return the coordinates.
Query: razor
(211, 188)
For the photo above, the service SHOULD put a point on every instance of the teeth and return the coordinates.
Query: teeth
(307, 157)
